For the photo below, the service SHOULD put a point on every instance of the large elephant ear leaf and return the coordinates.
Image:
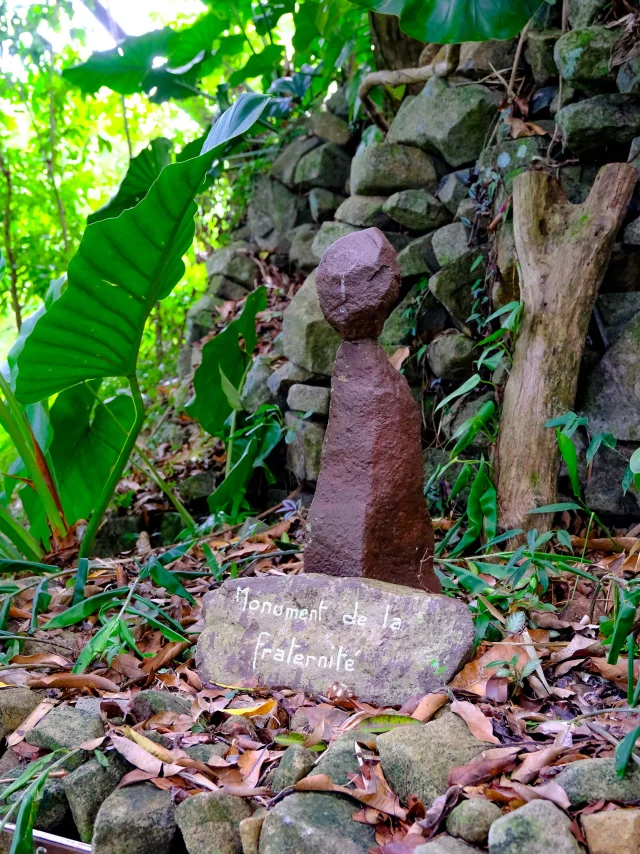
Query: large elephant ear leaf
(88, 436)
(457, 21)
(122, 268)
(141, 174)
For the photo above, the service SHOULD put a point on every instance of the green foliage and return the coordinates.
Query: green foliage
(456, 21)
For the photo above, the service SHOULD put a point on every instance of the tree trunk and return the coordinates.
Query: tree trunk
(563, 251)
(392, 49)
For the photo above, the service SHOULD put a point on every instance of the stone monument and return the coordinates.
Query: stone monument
(369, 516)
(364, 612)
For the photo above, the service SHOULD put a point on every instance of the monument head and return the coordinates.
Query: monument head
(358, 281)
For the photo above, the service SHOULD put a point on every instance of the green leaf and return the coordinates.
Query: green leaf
(163, 578)
(384, 723)
(624, 750)
(230, 392)
(489, 506)
(232, 489)
(570, 456)
(81, 581)
(223, 356)
(468, 579)
(457, 21)
(267, 61)
(556, 508)
(530, 666)
(10, 566)
(472, 426)
(122, 268)
(513, 532)
(84, 609)
(41, 601)
(564, 538)
(88, 437)
(470, 384)
(22, 842)
(505, 309)
(461, 481)
(142, 172)
(634, 462)
(624, 621)
(169, 633)
(97, 645)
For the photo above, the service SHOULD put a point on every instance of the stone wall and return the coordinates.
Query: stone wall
(434, 185)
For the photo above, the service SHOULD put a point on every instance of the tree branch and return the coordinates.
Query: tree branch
(104, 17)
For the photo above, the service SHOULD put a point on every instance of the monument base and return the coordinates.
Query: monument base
(384, 641)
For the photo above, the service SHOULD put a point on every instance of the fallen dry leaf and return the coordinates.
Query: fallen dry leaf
(478, 724)
(324, 783)
(264, 708)
(399, 356)
(475, 675)
(485, 766)
(36, 715)
(73, 680)
(428, 706)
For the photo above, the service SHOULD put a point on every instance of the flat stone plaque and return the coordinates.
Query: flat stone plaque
(305, 632)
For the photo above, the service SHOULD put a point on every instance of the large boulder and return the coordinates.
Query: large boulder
(138, 819)
(273, 211)
(600, 121)
(381, 168)
(210, 823)
(417, 760)
(451, 121)
(285, 164)
(583, 55)
(611, 396)
(315, 824)
(308, 340)
(536, 828)
(603, 489)
(417, 210)
(326, 166)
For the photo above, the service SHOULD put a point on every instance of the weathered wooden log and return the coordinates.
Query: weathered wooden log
(563, 250)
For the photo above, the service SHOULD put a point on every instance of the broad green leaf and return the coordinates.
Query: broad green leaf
(97, 645)
(169, 633)
(268, 60)
(457, 21)
(634, 462)
(41, 601)
(505, 309)
(469, 580)
(223, 355)
(32, 567)
(81, 581)
(466, 386)
(164, 578)
(564, 538)
(142, 172)
(122, 268)
(625, 619)
(87, 439)
(230, 392)
(556, 508)
(570, 456)
(84, 609)
(489, 505)
(232, 489)
(514, 532)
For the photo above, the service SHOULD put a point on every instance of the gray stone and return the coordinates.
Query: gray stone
(603, 489)
(233, 264)
(634, 152)
(53, 809)
(304, 448)
(611, 397)
(327, 166)
(117, 534)
(364, 212)
(577, 181)
(339, 761)
(309, 341)
(250, 829)
(381, 168)
(591, 780)
(151, 832)
(66, 727)
(384, 651)
(600, 121)
(628, 79)
(540, 47)
(471, 820)
(328, 234)
(451, 121)
(210, 823)
(315, 824)
(329, 128)
(200, 317)
(615, 311)
(418, 259)
(582, 13)
(418, 760)
(16, 704)
(309, 398)
(205, 752)
(584, 54)
(632, 233)
(256, 391)
(477, 59)
(451, 357)
(450, 243)
(296, 762)
(285, 164)
(460, 411)
(198, 486)
(338, 103)
(536, 828)
(452, 191)
(222, 288)
(466, 211)
(300, 252)
(444, 845)
(272, 212)
(287, 375)
(398, 326)
(397, 240)
(323, 204)
(511, 157)
(145, 704)
(417, 210)
(89, 786)
(453, 286)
